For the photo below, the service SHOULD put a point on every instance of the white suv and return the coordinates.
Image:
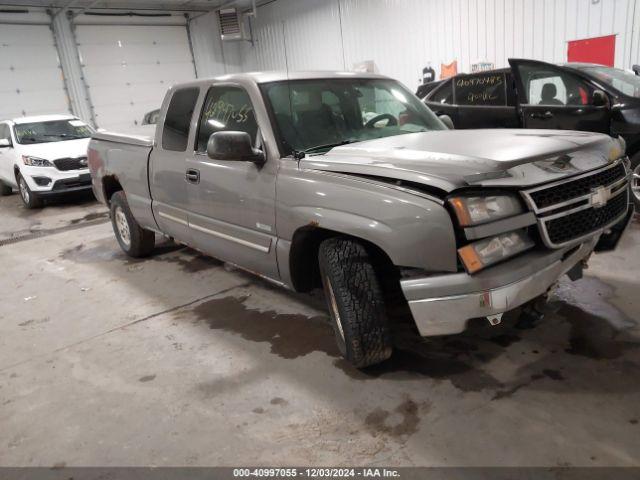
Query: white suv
(44, 156)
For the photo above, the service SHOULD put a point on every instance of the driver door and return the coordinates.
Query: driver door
(232, 203)
(550, 96)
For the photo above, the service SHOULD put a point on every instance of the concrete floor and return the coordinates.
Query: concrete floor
(177, 360)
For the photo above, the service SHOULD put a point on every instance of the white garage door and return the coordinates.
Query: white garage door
(31, 80)
(128, 69)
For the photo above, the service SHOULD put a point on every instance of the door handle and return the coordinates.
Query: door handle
(544, 116)
(192, 175)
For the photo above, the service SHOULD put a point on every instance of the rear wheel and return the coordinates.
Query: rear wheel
(29, 199)
(635, 180)
(355, 301)
(5, 189)
(134, 240)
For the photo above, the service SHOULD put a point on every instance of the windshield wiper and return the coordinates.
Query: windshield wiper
(327, 146)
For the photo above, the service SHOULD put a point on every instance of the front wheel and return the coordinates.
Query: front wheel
(355, 301)
(29, 199)
(134, 240)
(635, 180)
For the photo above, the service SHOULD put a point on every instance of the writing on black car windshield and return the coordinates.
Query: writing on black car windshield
(313, 116)
(52, 131)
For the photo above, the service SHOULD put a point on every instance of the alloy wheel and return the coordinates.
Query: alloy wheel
(334, 306)
(24, 191)
(123, 226)
(635, 183)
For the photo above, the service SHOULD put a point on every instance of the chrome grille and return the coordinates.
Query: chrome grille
(65, 164)
(578, 188)
(580, 206)
(583, 222)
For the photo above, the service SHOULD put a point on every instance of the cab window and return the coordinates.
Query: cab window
(226, 108)
(444, 94)
(176, 125)
(553, 87)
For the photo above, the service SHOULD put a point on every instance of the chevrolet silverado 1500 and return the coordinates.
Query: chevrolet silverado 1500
(349, 182)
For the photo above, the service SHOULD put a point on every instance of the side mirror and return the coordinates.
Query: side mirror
(599, 99)
(5, 142)
(446, 119)
(231, 145)
(636, 69)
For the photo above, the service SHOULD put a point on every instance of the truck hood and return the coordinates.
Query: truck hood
(54, 150)
(450, 159)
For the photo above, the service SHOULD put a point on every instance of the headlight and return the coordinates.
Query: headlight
(35, 161)
(477, 210)
(481, 254)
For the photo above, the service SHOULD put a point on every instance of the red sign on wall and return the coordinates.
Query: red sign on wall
(600, 50)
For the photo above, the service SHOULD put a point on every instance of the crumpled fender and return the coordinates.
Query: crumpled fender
(413, 230)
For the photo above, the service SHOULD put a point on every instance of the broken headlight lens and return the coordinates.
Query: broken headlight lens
(36, 161)
(477, 210)
(486, 252)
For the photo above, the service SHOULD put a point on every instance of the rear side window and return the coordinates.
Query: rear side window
(226, 108)
(481, 89)
(4, 131)
(444, 94)
(176, 124)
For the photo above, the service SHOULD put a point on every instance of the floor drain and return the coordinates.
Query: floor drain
(45, 233)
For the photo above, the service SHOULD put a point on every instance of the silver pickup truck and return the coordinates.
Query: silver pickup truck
(349, 182)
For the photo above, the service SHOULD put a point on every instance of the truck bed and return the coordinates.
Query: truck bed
(123, 161)
(139, 140)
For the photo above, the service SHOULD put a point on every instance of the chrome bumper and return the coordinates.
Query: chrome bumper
(496, 290)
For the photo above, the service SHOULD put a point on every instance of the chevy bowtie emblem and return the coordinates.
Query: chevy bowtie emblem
(600, 196)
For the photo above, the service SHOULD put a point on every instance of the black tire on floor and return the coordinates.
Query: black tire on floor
(5, 190)
(134, 240)
(355, 302)
(635, 180)
(29, 199)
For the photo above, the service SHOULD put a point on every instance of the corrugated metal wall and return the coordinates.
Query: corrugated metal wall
(401, 36)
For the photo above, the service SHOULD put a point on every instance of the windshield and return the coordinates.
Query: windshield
(53, 131)
(623, 81)
(313, 116)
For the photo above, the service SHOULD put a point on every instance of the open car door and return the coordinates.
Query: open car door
(551, 96)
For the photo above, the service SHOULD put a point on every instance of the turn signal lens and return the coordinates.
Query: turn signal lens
(483, 253)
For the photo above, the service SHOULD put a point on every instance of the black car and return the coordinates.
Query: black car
(534, 94)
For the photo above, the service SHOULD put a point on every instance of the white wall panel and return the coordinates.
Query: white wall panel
(31, 81)
(402, 35)
(308, 37)
(128, 69)
(212, 56)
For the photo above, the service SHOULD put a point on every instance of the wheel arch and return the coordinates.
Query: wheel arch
(110, 185)
(303, 255)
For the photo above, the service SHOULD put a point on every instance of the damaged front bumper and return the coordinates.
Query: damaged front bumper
(443, 304)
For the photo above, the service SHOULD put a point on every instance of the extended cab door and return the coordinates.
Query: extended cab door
(550, 96)
(168, 164)
(232, 203)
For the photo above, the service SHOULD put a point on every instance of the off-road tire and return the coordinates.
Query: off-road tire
(140, 242)
(635, 181)
(5, 189)
(355, 301)
(29, 199)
